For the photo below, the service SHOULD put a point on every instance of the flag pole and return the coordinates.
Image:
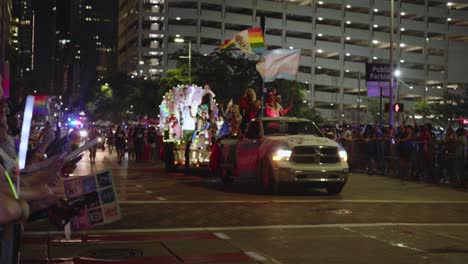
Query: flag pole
(264, 90)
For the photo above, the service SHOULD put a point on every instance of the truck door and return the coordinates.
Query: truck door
(248, 149)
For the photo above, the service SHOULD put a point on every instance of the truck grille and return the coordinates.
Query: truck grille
(315, 155)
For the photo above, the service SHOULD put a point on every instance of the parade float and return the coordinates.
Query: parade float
(189, 120)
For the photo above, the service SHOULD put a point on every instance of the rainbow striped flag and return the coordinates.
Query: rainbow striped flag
(249, 41)
(40, 105)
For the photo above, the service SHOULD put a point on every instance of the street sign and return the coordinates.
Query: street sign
(378, 72)
(378, 79)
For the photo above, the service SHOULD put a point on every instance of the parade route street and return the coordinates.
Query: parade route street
(190, 217)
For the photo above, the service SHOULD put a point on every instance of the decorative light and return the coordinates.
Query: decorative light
(320, 34)
(348, 22)
(402, 61)
(376, 10)
(320, 18)
(348, 54)
(348, 6)
(375, 41)
(376, 26)
(402, 29)
(291, 47)
(402, 45)
(320, 2)
(449, 4)
(397, 73)
(449, 19)
(374, 58)
(403, 14)
(319, 51)
(177, 18)
(348, 38)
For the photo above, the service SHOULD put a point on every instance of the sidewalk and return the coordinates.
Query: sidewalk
(162, 248)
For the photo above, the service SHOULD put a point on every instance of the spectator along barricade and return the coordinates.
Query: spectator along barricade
(409, 153)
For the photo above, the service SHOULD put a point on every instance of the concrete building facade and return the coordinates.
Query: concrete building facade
(337, 39)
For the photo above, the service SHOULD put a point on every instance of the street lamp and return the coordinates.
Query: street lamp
(189, 57)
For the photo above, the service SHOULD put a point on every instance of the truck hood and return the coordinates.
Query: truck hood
(303, 140)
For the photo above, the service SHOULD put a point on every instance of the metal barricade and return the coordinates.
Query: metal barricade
(9, 243)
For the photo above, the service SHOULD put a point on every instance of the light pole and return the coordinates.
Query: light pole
(189, 57)
(392, 26)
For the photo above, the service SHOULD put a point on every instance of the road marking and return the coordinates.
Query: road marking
(221, 236)
(298, 201)
(255, 256)
(391, 243)
(241, 228)
(139, 186)
(149, 192)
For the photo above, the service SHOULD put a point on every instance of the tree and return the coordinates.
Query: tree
(448, 109)
(423, 108)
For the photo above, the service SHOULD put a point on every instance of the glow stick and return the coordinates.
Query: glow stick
(27, 117)
(12, 186)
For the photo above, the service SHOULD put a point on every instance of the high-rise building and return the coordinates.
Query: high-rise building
(141, 37)
(337, 39)
(75, 45)
(24, 21)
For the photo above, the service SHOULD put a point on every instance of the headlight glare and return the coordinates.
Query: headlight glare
(343, 155)
(282, 155)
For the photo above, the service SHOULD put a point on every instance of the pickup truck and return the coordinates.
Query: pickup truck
(277, 150)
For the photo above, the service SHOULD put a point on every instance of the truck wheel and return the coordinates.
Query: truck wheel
(334, 188)
(267, 181)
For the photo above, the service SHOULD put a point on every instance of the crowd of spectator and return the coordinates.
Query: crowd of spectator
(410, 152)
(36, 192)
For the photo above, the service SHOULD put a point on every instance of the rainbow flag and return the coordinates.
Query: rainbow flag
(249, 41)
(40, 105)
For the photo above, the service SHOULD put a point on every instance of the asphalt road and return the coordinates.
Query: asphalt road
(375, 219)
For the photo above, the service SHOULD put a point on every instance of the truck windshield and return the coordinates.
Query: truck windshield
(271, 127)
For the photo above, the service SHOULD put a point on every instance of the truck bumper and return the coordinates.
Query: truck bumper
(317, 177)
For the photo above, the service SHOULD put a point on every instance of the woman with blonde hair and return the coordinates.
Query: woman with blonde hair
(248, 106)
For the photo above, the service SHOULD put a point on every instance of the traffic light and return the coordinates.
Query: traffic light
(398, 107)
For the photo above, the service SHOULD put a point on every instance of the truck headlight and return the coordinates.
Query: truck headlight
(281, 155)
(343, 155)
